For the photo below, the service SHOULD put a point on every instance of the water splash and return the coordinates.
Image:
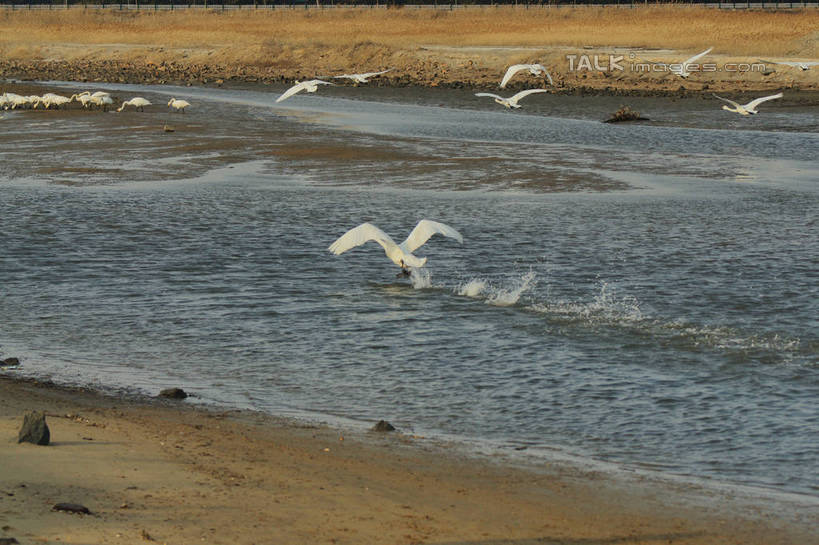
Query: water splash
(420, 278)
(607, 308)
(501, 296)
(472, 288)
(507, 297)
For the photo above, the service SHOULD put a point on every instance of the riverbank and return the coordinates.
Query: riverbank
(165, 471)
(595, 51)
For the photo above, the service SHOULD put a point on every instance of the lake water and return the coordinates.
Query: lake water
(642, 294)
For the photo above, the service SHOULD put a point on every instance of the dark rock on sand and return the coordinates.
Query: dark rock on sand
(383, 425)
(71, 508)
(9, 362)
(34, 429)
(8, 541)
(173, 393)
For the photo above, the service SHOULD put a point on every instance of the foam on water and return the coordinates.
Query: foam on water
(420, 278)
(506, 294)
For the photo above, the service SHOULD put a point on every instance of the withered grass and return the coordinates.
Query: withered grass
(249, 32)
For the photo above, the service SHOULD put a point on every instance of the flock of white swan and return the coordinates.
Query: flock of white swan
(99, 99)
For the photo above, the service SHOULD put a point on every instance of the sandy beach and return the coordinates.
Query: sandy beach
(163, 471)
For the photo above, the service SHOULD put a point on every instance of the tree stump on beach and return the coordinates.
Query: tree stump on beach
(34, 429)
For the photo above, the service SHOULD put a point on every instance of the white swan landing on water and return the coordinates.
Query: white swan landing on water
(400, 254)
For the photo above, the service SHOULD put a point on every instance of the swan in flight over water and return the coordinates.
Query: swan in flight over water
(401, 254)
(534, 69)
(311, 86)
(802, 65)
(178, 104)
(512, 101)
(362, 78)
(746, 109)
(681, 69)
(138, 102)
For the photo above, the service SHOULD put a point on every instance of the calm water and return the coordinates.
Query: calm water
(643, 294)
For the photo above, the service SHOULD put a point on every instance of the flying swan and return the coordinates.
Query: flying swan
(362, 78)
(681, 69)
(401, 254)
(512, 101)
(311, 86)
(534, 69)
(746, 109)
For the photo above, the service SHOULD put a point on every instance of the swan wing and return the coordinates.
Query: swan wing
(424, 230)
(729, 101)
(292, 91)
(489, 95)
(511, 71)
(527, 92)
(373, 74)
(697, 56)
(754, 103)
(542, 68)
(358, 236)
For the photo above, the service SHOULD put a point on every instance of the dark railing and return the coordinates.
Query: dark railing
(323, 4)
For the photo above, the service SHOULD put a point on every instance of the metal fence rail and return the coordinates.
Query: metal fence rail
(382, 4)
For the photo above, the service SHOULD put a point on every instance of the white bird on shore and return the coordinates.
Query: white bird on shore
(681, 69)
(310, 86)
(362, 78)
(138, 102)
(401, 254)
(511, 102)
(747, 109)
(802, 65)
(178, 104)
(83, 98)
(534, 69)
(102, 101)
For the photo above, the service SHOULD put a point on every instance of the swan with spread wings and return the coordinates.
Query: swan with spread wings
(400, 254)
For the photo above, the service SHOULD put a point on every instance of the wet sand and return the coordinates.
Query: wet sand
(166, 471)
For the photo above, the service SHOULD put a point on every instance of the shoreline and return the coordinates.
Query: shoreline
(587, 84)
(164, 467)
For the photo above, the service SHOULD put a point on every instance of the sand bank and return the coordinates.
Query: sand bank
(173, 473)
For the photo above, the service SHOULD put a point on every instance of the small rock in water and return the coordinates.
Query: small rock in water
(383, 425)
(72, 508)
(9, 362)
(34, 429)
(173, 393)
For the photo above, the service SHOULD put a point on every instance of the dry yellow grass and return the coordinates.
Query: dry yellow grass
(785, 33)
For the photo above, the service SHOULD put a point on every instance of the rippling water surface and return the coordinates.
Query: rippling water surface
(643, 294)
